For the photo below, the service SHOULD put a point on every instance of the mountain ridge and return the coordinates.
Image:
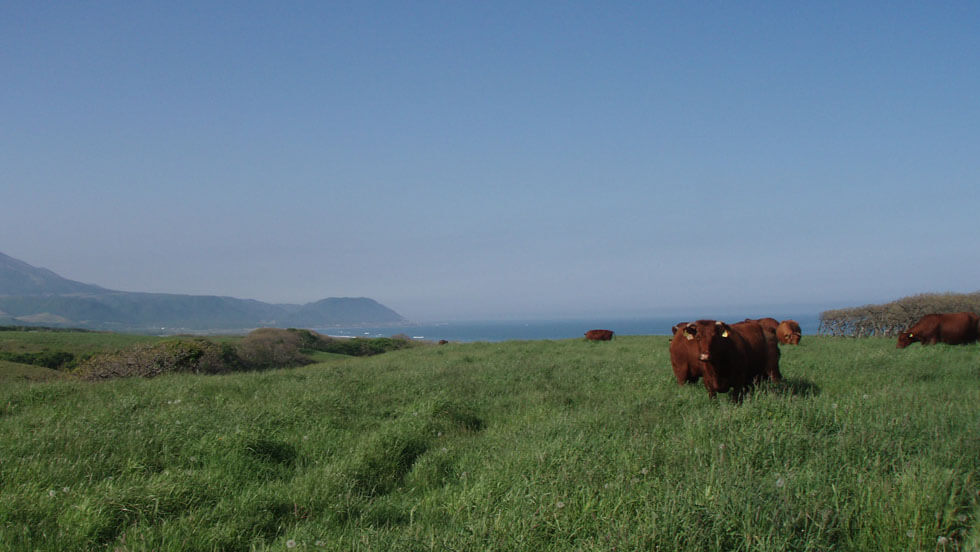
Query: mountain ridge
(35, 295)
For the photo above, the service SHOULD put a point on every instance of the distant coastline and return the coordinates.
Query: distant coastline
(507, 330)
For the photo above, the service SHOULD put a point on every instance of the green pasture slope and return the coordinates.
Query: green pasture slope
(543, 445)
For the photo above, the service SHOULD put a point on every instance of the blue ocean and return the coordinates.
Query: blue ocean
(507, 330)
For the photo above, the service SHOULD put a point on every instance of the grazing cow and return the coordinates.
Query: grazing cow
(443, 342)
(684, 356)
(732, 357)
(956, 328)
(788, 332)
(599, 335)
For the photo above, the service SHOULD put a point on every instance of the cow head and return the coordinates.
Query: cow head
(713, 341)
(905, 339)
(710, 336)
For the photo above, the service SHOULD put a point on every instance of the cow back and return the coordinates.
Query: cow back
(762, 349)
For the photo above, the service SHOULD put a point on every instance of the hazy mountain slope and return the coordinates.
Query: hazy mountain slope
(344, 310)
(20, 278)
(39, 296)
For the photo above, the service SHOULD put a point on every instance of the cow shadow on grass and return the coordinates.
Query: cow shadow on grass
(796, 387)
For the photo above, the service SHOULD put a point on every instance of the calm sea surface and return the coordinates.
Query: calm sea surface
(506, 330)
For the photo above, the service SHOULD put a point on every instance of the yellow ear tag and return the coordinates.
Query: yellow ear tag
(910, 335)
(724, 333)
(688, 336)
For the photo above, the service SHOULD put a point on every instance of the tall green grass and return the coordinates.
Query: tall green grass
(541, 445)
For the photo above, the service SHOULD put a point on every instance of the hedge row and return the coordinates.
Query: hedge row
(890, 319)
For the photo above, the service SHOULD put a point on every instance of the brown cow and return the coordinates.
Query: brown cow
(732, 357)
(684, 356)
(956, 328)
(788, 332)
(599, 335)
(767, 323)
(769, 342)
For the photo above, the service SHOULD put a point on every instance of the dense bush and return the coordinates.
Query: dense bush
(891, 318)
(275, 348)
(196, 356)
(262, 349)
(278, 346)
(56, 360)
(360, 346)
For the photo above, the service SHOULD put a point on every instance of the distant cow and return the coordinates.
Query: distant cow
(684, 356)
(788, 332)
(443, 342)
(956, 328)
(599, 335)
(732, 357)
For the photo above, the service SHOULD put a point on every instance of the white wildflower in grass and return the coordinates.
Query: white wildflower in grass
(644, 471)
(560, 505)
(66, 489)
(834, 406)
(942, 541)
(961, 518)
(780, 483)
(52, 493)
(865, 397)
(291, 543)
(444, 450)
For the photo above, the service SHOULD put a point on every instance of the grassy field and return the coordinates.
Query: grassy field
(543, 445)
(74, 342)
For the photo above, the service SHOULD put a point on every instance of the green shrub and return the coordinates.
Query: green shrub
(56, 360)
(195, 356)
(275, 348)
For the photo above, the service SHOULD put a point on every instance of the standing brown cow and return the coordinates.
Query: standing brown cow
(599, 335)
(789, 332)
(956, 328)
(684, 356)
(732, 357)
(763, 337)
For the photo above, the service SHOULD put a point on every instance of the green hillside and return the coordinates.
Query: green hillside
(543, 445)
(13, 371)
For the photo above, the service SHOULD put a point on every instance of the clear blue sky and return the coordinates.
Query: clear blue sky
(468, 160)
